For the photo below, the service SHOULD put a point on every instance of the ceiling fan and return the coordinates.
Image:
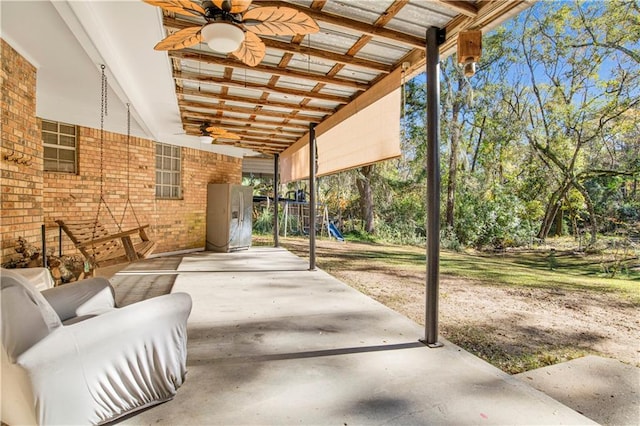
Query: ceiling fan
(214, 133)
(231, 28)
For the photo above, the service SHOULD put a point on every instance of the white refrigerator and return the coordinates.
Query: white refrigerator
(229, 217)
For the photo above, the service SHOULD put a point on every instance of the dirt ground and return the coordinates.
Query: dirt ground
(514, 328)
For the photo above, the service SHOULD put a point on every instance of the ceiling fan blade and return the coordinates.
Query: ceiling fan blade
(219, 132)
(279, 21)
(233, 6)
(181, 7)
(183, 38)
(251, 51)
(231, 136)
(213, 130)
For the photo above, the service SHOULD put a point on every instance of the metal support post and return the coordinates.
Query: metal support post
(312, 197)
(435, 37)
(276, 196)
(44, 246)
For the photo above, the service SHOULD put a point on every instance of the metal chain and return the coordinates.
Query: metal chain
(128, 139)
(128, 202)
(103, 112)
(103, 82)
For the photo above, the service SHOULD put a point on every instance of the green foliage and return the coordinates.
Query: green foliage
(549, 125)
(489, 345)
(263, 221)
(496, 218)
(357, 235)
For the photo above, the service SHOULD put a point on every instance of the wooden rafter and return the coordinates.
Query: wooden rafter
(253, 121)
(270, 88)
(303, 75)
(352, 24)
(272, 112)
(250, 130)
(268, 113)
(466, 8)
(254, 101)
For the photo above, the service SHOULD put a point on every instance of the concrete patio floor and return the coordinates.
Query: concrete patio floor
(272, 343)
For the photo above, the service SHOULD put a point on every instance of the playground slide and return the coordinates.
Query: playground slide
(333, 231)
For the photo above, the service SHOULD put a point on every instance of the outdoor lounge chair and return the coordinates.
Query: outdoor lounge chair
(69, 356)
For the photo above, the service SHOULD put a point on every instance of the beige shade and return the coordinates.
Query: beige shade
(294, 161)
(368, 136)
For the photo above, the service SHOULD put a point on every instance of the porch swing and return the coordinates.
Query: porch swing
(99, 246)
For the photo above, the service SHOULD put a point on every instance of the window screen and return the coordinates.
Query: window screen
(60, 147)
(168, 166)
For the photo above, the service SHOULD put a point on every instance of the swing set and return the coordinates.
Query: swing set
(99, 246)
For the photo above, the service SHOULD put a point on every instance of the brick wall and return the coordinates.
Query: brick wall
(21, 152)
(174, 224)
(31, 197)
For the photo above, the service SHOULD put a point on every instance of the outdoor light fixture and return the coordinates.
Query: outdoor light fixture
(222, 37)
(206, 139)
(469, 50)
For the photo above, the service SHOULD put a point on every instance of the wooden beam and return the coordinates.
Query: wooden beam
(490, 14)
(254, 101)
(251, 131)
(390, 13)
(212, 59)
(215, 107)
(327, 55)
(352, 25)
(188, 115)
(202, 78)
(271, 143)
(463, 7)
(380, 89)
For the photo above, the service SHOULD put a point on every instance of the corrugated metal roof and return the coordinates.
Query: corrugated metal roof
(307, 79)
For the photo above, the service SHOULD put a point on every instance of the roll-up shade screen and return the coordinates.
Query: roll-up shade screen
(369, 136)
(366, 137)
(294, 162)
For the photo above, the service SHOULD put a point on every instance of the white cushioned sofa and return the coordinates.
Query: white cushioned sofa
(69, 356)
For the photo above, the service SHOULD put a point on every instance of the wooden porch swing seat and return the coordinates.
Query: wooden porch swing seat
(102, 248)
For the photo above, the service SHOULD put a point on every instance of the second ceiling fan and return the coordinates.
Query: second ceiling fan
(231, 28)
(215, 133)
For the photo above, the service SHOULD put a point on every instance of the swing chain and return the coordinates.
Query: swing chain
(128, 202)
(128, 142)
(103, 108)
(103, 112)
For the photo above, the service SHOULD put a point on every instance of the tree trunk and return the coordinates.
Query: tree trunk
(363, 182)
(552, 209)
(559, 221)
(453, 167)
(591, 210)
(477, 149)
(453, 155)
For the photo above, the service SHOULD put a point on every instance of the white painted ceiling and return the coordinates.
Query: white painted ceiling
(68, 41)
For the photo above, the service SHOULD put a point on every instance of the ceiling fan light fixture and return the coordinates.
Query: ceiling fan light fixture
(222, 37)
(206, 139)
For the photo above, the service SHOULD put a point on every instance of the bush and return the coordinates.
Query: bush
(263, 222)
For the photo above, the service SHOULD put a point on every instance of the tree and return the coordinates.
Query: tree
(363, 182)
(573, 98)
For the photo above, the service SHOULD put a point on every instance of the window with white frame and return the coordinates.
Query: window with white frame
(168, 166)
(60, 147)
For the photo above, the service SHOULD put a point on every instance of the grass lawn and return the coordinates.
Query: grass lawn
(394, 275)
(566, 270)
(534, 269)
